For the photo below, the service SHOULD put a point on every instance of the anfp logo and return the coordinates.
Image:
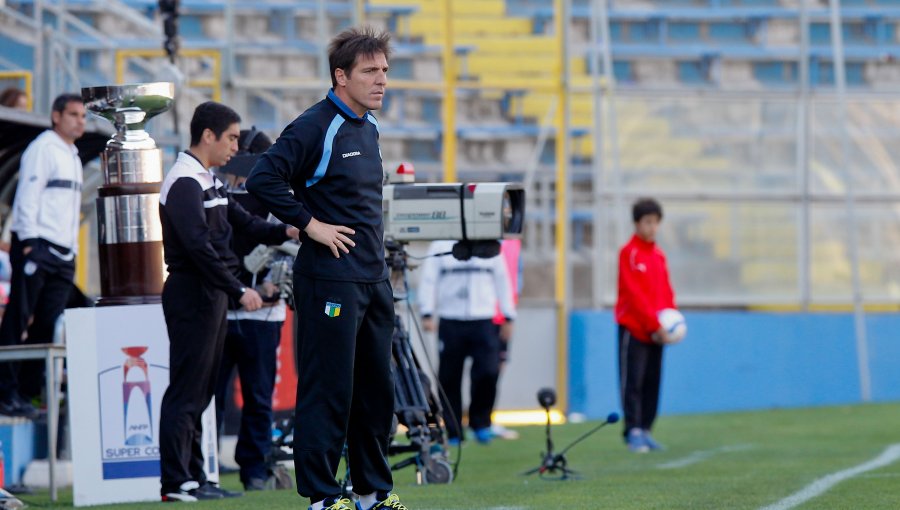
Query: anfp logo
(332, 309)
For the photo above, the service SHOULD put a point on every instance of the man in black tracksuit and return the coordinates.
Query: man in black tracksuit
(197, 219)
(330, 159)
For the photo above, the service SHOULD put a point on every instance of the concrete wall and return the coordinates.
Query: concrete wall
(742, 360)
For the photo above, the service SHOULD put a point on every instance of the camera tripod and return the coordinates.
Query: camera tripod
(416, 407)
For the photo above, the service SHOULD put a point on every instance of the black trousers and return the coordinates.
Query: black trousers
(39, 289)
(196, 323)
(345, 387)
(252, 347)
(640, 373)
(459, 340)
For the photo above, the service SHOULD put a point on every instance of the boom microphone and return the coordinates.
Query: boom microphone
(610, 418)
(553, 462)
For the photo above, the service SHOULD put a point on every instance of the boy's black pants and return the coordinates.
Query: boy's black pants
(640, 372)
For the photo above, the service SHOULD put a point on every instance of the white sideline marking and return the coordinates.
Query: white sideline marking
(702, 455)
(820, 486)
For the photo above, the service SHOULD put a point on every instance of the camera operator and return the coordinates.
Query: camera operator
(251, 343)
(464, 295)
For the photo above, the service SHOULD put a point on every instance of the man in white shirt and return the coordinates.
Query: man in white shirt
(45, 220)
(464, 295)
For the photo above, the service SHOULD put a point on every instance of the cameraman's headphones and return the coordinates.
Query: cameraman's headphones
(244, 148)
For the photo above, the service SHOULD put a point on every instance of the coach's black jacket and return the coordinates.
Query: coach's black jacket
(331, 160)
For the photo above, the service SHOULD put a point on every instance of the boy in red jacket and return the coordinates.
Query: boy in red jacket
(644, 290)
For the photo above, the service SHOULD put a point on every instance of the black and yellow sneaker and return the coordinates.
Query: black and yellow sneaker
(338, 504)
(391, 502)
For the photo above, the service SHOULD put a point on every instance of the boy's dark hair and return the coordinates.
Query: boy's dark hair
(353, 42)
(645, 207)
(213, 116)
(63, 100)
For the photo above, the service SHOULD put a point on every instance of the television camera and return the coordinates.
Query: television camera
(279, 260)
(477, 214)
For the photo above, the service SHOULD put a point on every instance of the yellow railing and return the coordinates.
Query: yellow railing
(214, 83)
(27, 81)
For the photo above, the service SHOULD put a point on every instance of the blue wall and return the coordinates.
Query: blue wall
(741, 360)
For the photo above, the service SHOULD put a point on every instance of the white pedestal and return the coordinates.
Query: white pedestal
(114, 416)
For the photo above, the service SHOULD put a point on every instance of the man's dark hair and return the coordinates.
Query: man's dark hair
(253, 141)
(353, 42)
(251, 144)
(10, 96)
(213, 116)
(645, 207)
(63, 100)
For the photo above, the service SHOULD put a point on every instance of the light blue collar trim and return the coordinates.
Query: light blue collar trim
(343, 106)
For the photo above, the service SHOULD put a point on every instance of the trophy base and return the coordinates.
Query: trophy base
(128, 300)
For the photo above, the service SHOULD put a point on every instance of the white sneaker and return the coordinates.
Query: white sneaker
(10, 502)
(503, 432)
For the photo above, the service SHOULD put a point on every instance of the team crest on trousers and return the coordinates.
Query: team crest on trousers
(332, 309)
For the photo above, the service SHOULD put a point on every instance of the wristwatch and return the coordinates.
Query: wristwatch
(243, 290)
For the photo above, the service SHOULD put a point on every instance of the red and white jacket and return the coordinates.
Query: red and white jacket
(644, 288)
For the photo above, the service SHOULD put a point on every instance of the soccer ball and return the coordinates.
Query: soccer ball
(673, 322)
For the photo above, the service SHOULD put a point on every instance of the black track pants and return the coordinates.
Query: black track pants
(459, 340)
(640, 372)
(196, 323)
(345, 387)
(38, 291)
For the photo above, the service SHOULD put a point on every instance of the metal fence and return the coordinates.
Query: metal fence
(764, 196)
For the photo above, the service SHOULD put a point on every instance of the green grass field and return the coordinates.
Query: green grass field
(716, 461)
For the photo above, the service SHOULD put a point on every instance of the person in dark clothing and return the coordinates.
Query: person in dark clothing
(644, 290)
(46, 216)
(324, 174)
(464, 296)
(197, 220)
(253, 337)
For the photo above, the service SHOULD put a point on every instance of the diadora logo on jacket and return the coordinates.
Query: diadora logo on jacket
(351, 154)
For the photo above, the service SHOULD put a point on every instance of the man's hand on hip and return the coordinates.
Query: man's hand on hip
(250, 300)
(332, 236)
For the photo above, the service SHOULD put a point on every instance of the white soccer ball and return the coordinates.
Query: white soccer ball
(674, 324)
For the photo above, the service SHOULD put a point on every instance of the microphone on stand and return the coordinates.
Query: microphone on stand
(553, 462)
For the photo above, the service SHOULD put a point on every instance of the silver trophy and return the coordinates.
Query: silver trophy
(130, 233)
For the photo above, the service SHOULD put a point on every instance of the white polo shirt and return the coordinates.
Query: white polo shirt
(48, 196)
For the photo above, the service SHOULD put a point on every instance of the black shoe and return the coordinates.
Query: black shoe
(256, 484)
(186, 493)
(212, 491)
